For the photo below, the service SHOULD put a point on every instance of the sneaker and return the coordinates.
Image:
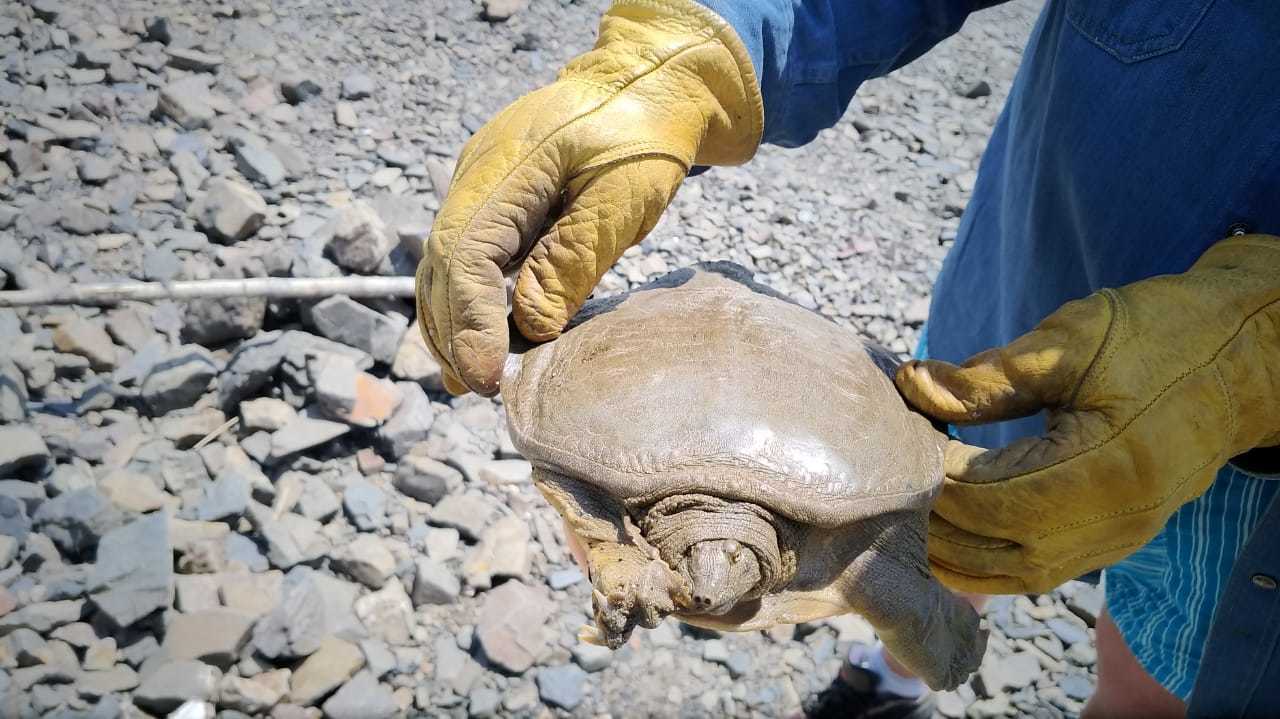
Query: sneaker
(853, 695)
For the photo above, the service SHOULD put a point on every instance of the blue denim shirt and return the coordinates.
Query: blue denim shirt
(1135, 135)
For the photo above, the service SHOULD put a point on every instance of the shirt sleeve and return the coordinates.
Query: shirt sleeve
(811, 55)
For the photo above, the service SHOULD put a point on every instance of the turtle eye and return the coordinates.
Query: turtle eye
(733, 549)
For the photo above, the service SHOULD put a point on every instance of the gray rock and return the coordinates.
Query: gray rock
(266, 413)
(241, 549)
(75, 521)
(256, 161)
(332, 663)
(224, 500)
(398, 155)
(302, 434)
(361, 698)
(292, 539)
(414, 362)
(21, 448)
(80, 219)
(378, 658)
(387, 614)
(468, 513)
(365, 504)
(434, 583)
(344, 320)
(1086, 603)
(561, 686)
(175, 682)
(483, 702)
(253, 695)
(1077, 686)
(95, 169)
(361, 240)
(410, 423)
(318, 501)
(503, 551)
(505, 471)
(185, 58)
(87, 339)
(980, 89)
(14, 520)
(185, 102)
(1067, 631)
(13, 393)
(455, 669)
(1010, 672)
(592, 657)
(425, 479)
(366, 560)
(502, 10)
(357, 87)
(298, 89)
(134, 572)
(213, 636)
(565, 578)
(42, 617)
(229, 211)
(441, 543)
(510, 626)
(178, 379)
(215, 322)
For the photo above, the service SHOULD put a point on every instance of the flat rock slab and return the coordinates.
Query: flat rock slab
(213, 636)
(133, 576)
(510, 626)
(303, 433)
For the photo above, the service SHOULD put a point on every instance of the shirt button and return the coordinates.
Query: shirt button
(1263, 581)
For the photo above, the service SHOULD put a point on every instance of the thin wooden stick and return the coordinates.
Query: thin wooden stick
(108, 293)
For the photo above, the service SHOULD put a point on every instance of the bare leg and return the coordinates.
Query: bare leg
(1125, 689)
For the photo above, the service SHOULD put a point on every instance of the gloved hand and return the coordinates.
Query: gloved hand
(1150, 389)
(565, 179)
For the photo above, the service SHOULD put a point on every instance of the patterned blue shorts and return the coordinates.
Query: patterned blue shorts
(1162, 597)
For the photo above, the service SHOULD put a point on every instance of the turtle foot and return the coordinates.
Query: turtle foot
(631, 589)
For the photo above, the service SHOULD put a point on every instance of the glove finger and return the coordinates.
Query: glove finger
(607, 212)
(452, 384)
(1039, 369)
(495, 208)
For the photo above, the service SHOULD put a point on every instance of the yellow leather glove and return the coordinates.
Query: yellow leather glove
(1149, 388)
(565, 179)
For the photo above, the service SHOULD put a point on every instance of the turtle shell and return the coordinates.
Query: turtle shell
(705, 382)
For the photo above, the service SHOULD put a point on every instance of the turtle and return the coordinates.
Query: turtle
(729, 457)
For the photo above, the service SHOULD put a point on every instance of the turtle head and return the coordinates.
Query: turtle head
(727, 552)
(720, 572)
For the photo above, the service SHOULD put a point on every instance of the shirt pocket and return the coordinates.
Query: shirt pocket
(1135, 30)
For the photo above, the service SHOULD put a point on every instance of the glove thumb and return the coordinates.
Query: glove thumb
(1041, 369)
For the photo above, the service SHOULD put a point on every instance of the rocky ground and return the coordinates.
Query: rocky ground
(271, 508)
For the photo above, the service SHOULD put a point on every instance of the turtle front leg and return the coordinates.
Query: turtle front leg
(631, 585)
(932, 631)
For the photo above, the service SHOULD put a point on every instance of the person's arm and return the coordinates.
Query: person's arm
(811, 55)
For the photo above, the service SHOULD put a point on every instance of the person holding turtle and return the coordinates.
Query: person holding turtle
(1104, 336)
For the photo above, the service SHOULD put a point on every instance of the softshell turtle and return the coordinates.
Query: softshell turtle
(734, 459)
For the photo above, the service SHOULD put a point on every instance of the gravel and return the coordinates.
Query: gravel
(360, 543)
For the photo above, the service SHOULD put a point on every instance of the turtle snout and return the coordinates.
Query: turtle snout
(721, 572)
